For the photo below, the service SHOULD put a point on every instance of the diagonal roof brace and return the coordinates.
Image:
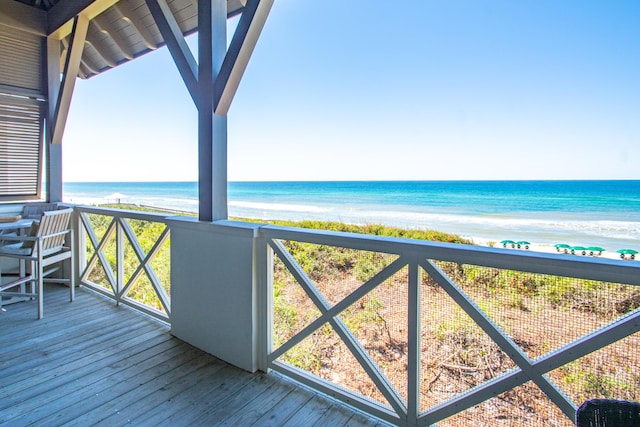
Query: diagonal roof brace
(244, 40)
(71, 67)
(242, 44)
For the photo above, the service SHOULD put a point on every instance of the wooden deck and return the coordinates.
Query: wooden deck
(92, 363)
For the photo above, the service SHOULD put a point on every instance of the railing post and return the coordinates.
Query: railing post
(79, 246)
(414, 329)
(264, 269)
(119, 259)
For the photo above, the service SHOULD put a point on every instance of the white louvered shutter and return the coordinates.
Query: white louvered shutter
(21, 115)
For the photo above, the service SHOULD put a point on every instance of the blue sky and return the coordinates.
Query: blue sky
(379, 90)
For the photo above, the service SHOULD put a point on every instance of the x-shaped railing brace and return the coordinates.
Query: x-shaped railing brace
(528, 369)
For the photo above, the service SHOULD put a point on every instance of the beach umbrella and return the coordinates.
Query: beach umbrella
(580, 249)
(116, 196)
(597, 250)
(624, 252)
(508, 242)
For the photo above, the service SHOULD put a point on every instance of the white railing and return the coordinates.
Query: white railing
(125, 255)
(450, 336)
(412, 332)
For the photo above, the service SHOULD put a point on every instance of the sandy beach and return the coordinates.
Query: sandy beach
(547, 248)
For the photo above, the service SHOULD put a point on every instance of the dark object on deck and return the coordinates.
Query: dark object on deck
(608, 413)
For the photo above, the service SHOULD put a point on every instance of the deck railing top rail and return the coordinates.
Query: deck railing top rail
(603, 269)
(123, 213)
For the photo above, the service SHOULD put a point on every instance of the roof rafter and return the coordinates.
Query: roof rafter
(83, 71)
(127, 13)
(98, 45)
(117, 38)
(20, 16)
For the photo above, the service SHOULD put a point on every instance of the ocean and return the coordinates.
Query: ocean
(586, 213)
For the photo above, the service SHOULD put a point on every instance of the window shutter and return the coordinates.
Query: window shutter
(21, 115)
(22, 55)
(20, 147)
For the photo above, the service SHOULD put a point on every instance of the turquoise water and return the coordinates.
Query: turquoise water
(603, 213)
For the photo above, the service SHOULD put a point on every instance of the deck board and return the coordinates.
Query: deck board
(282, 411)
(91, 362)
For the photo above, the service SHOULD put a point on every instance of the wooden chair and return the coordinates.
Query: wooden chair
(36, 209)
(45, 247)
(608, 412)
(32, 210)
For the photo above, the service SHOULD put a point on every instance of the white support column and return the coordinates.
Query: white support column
(212, 129)
(54, 152)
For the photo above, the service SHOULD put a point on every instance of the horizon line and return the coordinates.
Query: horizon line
(365, 180)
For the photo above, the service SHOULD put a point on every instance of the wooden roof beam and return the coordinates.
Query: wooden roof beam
(114, 35)
(98, 45)
(60, 16)
(83, 71)
(22, 17)
(127, 13)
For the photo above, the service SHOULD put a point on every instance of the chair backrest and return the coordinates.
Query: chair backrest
(53, 222)
(608, 412)
(35, 210)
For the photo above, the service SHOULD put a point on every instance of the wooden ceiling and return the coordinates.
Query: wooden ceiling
(121, 30)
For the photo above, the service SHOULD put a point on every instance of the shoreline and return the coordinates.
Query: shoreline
(533, 246)
(586, 213)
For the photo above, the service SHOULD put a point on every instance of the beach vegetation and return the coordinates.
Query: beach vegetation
(371, 229)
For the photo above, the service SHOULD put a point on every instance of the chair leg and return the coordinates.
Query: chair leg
(39, 283)
(72, 281)
(22, 271)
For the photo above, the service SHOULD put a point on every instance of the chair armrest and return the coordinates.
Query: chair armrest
(16, 238)
(59, 233)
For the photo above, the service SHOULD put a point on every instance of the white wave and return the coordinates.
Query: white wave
(502, 222)
(278, 207)
(535, 227)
